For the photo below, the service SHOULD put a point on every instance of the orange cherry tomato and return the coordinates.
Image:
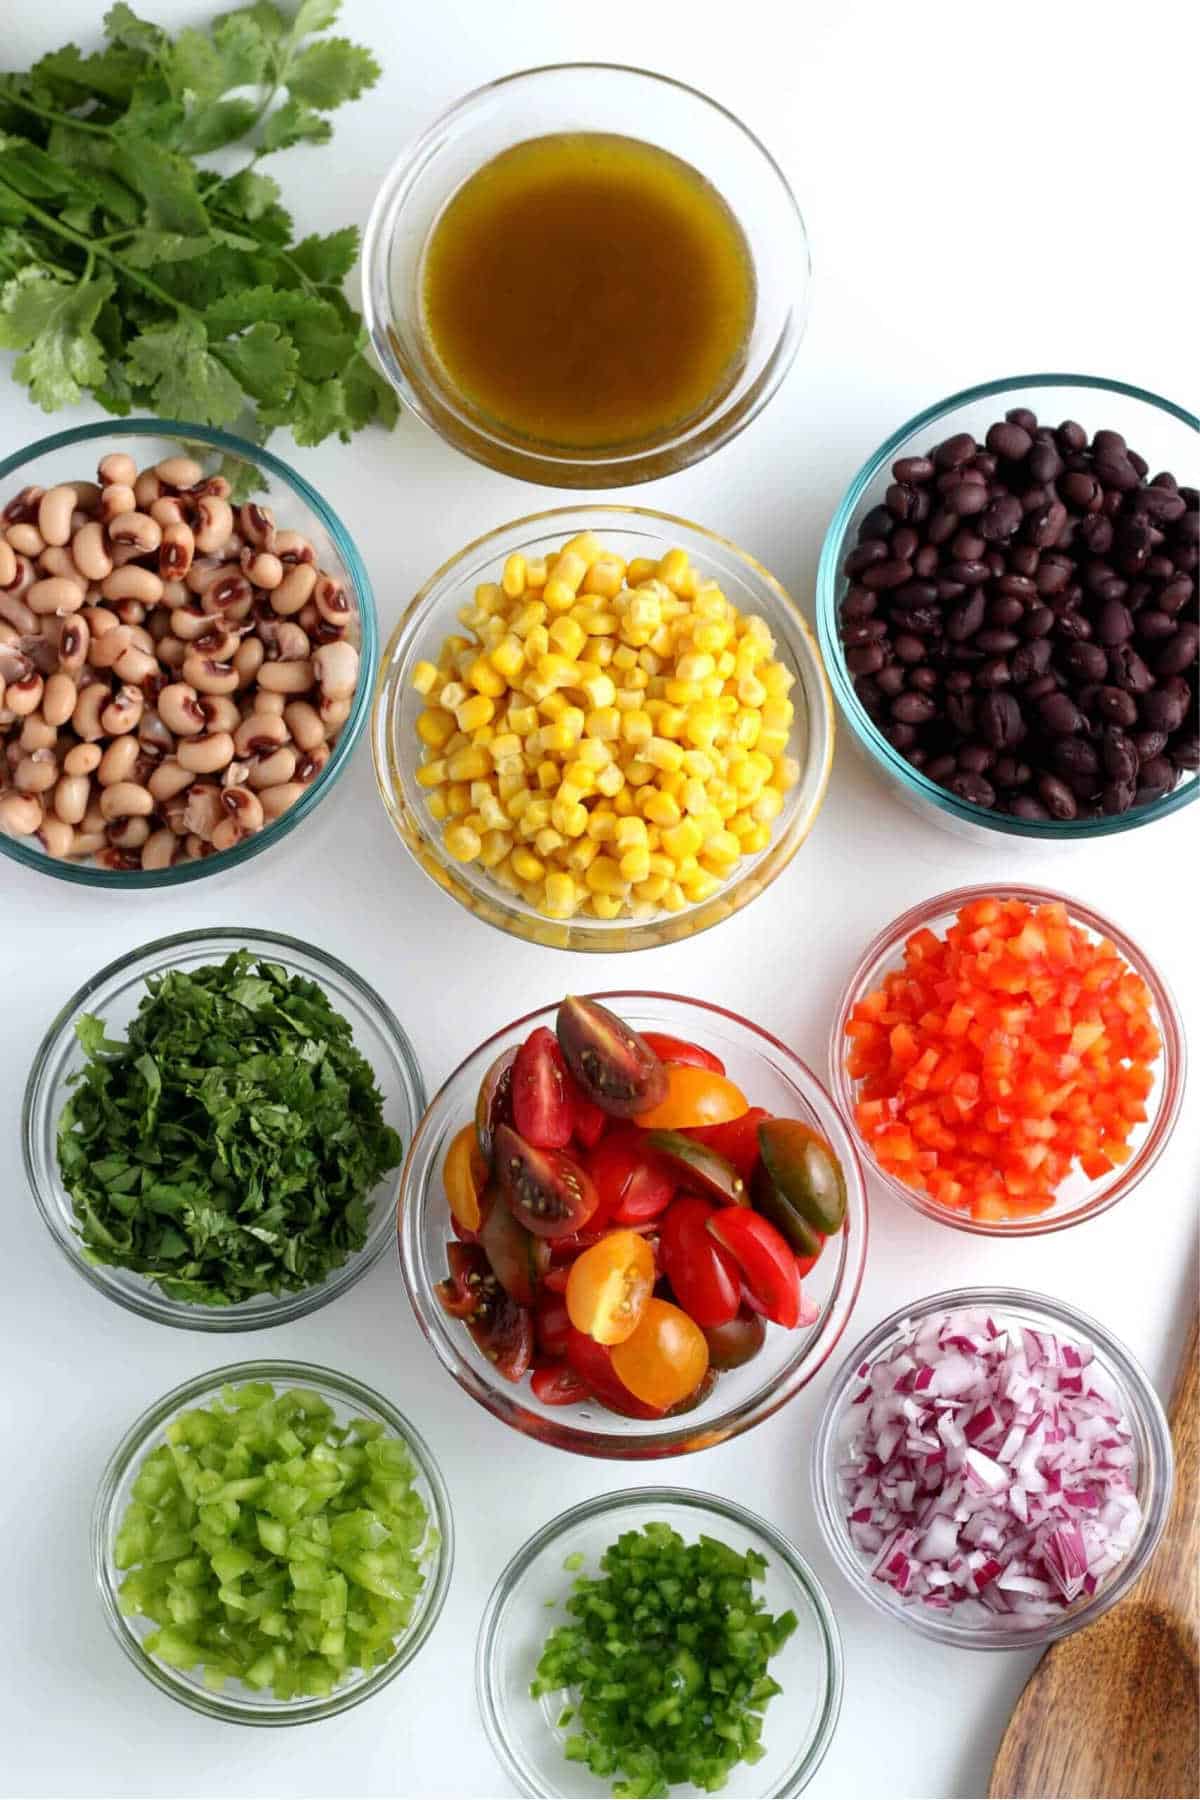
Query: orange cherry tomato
(609, 1286)
(694, 1097)
(464, 1177)
(665, 1358)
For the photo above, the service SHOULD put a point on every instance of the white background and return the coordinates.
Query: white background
(989, 190)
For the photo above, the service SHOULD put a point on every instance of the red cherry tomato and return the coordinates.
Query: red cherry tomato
(461, 1292)
(806, 1264)
(461, 1233)
(551, 1325)
(555, 1384)
(540, 1103)
(633, 1183)
(592, 1362)
(736, 1140)
(588, 1122)
(765, 1259)
(705, 1279)
(678, 1050)
(555, 1278)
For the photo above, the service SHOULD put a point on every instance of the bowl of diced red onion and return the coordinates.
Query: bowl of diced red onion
(992, 1468)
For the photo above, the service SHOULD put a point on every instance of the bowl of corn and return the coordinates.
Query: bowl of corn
(602, 728)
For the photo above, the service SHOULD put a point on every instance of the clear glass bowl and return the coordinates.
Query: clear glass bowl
(631, 531)
(583, 97)
(1080, 1197)
(1165, 434)
(1151, 1437)
(525, 1606)
(73, 455)
(236, 1703)
(114, 993)
(770, 1075)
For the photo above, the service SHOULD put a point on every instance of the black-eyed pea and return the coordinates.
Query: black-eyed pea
(123, 712)
(334, 713)
(23, 506)
(206, 755)
(309, 619)
(25, 539)
(218, 644)
(116, 498)
(93, 819)
(100, 620)
(117, 467)
(8, 563)
(119, 861)
(191, 622)
(130, 612)
(220, 712)
(207, 676)
(269, 703)
(214, 523)
(335, 667)
(230, 594)
(235, 774)
(36, 773)
(176, 551)
(258, 733)
(58, 700)
(128, 833)
(137, 530)
(119, 761)
(179, 472)
(20, 814)
(56, 836)
(71, 796)
(126, 800)
(276, 800)
(203, 572)
(132, 583)
(147, 488)
(243, 816)
(304, 723)
(293, 547)
(55, 595)
(24, 696)
(57, 560)
(261, 568)
(87, 495)
(294, 677)
(87, 843)
(309, 765)
(107, 651)
(248, 659)
(15, 613)
(135, 665)
(171, 651)
(142, 638)
(153, 734)
(272, 770)
(257, 525)
(54, 514)
(160, 849)
(203, 812)
(89, 552)
(332, 600)
(37, 733)
(195, 848)
(82, 759)
(175, 593)
(169, 779)
(168, 511)
(291, 642)
(295, 590)
(180, 710)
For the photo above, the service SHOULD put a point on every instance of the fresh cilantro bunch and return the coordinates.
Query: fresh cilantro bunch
(229, 1145)
(130, 271)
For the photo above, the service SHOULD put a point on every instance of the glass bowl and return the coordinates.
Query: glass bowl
(583, 97)
(236, 1703)
(631, 531)
(1164, 433)
(114, 994)
(72, 455)
(528, 1742)
(770, 1075)
(1080, 1196)
(1152, 1443)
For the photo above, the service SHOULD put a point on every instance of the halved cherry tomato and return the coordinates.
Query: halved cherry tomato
(462, 1292)
(738, 1342)
(694, 1097)
(564, 1250)
(678, 1050)
(504, 1332)
(609, 1286)
(588, 1121)
(736, 1140)
(767, 1263)
(461, 1233)
(806, 1264)
(517, 1259)
(464, 1177)
(555, 1384)
(540, 1102)
(633, 1183)
(664, 1359)
(592, 1362)
(704, 1278)
(551, 1325)
(554, 1281)
(547, 1191)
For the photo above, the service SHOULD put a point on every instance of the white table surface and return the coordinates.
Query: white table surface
(988, 190)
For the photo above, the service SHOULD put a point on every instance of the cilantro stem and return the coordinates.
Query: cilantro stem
(56, 118)
(93, 247)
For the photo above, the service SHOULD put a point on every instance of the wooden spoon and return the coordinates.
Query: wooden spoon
(1112, 1710)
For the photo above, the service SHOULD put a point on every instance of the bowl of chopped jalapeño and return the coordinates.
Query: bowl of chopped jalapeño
(213, 1125)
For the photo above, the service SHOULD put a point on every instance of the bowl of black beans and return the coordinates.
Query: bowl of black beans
(1008, 613)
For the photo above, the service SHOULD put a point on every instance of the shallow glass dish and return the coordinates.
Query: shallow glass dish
(771, 1076)
(73, 455)
(571, 97)
(526, 1605)
(115, 993)
(1080, 1196)
(236, 1703)
(1151, 1438)
(631, 531)
(1164, 433)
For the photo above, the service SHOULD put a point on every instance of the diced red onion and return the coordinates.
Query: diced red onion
(989, 1469)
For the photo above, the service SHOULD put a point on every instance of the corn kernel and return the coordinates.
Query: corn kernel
(582, 854)
(663, 754)
(604, 876)
(494, 847)
(468, 765)
(435, 728)
(610, 781)
(606, 906)
(560, 897)
(526, 866)
(432, 774)
(637, 727)
(513, 578)
(473, 713)
(579, 776)
(570, 818)
(604, 577)
(508, 657)
(548, 841)
(599, 690)
(548, 776)
(701, 886)
(424, 677)
(768, 805)
(438, 808)
(463, 844)
(635, 864)
(593, 754)
(787, 772)
(682, 840)
(603, 724)
(567, 635)
(661, 809)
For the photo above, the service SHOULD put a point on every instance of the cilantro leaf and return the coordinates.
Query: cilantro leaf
(243, 48)
(186, 380)
(294, 123)
(315, 15)
(317, 411)
(328, 260)
(51, 322)
(264, 360)
(234, 312)
(167, 183)
(330, 72)
(122, 26)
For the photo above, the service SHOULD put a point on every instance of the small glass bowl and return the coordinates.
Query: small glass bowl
(72, 455)
(236, 1703)
(571, 97)
(770, 1075)
(525, 1606)
(631, 531)
(1080, 1196)
(1166, 434)
(114, 994)
(1152, 1443)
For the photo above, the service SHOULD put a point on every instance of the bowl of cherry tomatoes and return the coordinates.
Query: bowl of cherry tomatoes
(632, 1224)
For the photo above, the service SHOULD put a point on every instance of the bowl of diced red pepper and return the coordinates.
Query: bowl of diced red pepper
(632, 1224)
(1012, 1063)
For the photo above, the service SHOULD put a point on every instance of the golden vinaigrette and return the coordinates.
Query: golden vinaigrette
(587, 290)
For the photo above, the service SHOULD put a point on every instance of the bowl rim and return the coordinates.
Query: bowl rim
(697, 1501)
(828, 590)
(681, 1437)
(527, 460)
(136, 1440)
(87, 874)
(424, 843)
(1143, 1400)
(151, 1304)
(890, 941)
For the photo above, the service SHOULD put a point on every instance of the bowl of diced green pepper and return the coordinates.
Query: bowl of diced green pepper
(272, 1543)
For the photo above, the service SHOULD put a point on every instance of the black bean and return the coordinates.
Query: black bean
(925, 679)
(1083, 661)
(962, 622)
(1053, 576)
(1096, 531)
(1071, 437)
(1160, 504)
(1057, 797)
(1045, 464)
(1044, 527)
(858, 603)
(905, 543)
(868, 691)
(1117, 796)
(973, 788)
(1148, 744)
(1004, 611)
(1083, 492)
(1000, 518)
(1026, 807)
(1108, 443)
(1165, 708)
(874, 550)
(976, 759)
(891, 680)
(1179, 653)
(866, 661)
(1073, 625)
(1059, 715)
(1038, 622)
(926, 560)
(916, 593)
(912, 469)
(958, 681)
(960, 710)
(1155, 778)
(918, 756)
(1116, 472)
(1114, 704)
(1108, 586)
(1139, 463)
(901, 501)
(1040, 686)
(1000, 721)
(1009, 440)
(993, 673)
(855, 632)
(940, 768)
(1120, 756)
(1021, 415)
(967, 546)
(1132, 548)
(983, 463)
(1114, 623)
(878, 523)
(1127, 670)
(995, 641)
(1075, 759)
(1176, 594)
(900, 736)
(1036, 496)
(954, 451)
(942, 526)
(1185, 751)
(1159, 568)
(1153, 626)
(1031, 660)
(1011, 773)
(888, 574)
(924, 620)
(1023, 559)
(971, 573)
(909, 649)
(965, 496)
